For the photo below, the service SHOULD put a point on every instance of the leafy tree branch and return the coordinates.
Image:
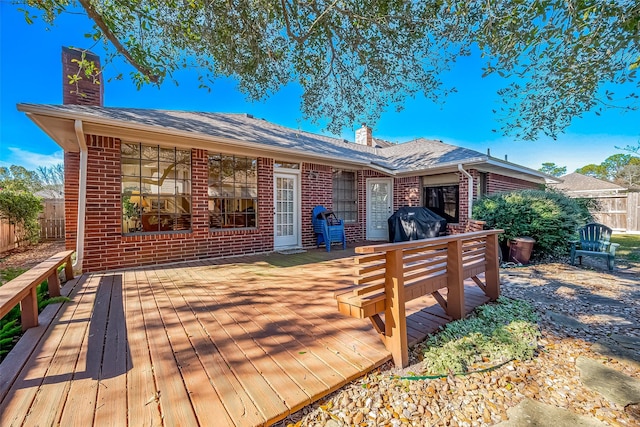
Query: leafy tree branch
(355, 59)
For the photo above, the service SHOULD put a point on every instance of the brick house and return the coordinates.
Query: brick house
(152, 186)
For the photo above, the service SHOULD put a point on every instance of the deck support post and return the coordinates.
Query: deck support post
(53, 283)
(68, 268)
(492, 273)
(29, 309)
(395, 319)
(455, 279)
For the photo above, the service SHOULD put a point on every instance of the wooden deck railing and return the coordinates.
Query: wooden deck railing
(23, 289)
(391, 274)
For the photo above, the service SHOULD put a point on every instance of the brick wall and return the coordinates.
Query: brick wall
(499, 184)
(317, 189)
(407, 192)
(105, 246)
(71, 185)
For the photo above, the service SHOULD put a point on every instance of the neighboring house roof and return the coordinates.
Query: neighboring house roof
(49, 194)
(229, 132)
(578, 184)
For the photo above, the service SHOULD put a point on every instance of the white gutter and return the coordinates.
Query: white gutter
(82, 195)
(470, 191)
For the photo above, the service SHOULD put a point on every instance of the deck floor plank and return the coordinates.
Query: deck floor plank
(142, 401)
(233, 396)
(112, 375)
(173, 398)
(80, 407)
(203, 395)
(17, 404)
(281, 390)
(236, 342)
(227, 337)
(67, 363)
(306, 332)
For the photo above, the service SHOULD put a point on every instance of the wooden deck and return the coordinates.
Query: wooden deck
(238, 342)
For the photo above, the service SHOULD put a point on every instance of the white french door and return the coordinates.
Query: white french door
(379, 207)
(286, 210)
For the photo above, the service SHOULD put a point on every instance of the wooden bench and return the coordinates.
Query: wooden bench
(23, 289)
(594, 241)
(391, 274)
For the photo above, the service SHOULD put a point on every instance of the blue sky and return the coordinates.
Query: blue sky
(30, 72)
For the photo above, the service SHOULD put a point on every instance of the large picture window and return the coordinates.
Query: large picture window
(345, 195)
(443, 200)
(233, 191)
(156, 188)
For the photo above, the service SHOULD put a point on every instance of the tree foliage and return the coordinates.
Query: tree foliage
(21, 208)
(355, 59)
(18, 178)
(552, 169)
(617, 167)
(52, 179)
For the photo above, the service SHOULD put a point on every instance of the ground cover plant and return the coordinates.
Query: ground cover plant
(550, 217)
(10, 328)
(493, 334)
(629, 246)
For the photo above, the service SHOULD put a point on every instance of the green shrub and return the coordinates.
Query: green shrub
(550, 217)
(495, 333)
(21, 208)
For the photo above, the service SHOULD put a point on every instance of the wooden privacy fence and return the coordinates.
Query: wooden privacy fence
(391, 274)
(51, 228)
(619, 212)
(7, 236)
(52, 219)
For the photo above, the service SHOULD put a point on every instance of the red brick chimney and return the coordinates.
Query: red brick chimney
(364, 135)
(89, 89)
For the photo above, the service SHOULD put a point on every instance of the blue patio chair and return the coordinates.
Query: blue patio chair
(328, 228)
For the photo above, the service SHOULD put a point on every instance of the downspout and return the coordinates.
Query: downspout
(470, 191)
(82, 195)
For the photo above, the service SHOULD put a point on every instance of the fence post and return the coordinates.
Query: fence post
(455, 279)
(394, 316)
(492, 272)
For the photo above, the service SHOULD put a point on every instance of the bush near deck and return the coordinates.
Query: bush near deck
(550, 217)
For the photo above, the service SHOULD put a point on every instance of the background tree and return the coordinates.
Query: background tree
(552, 169)
(355, 59)
(52, 179)
(611, 169)
(593, 170)
(629, 176)
(18, 178)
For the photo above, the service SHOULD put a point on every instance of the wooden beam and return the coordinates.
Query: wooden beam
(455, 280)
(492, 273)
(378, 324)
(395, 317)
(29, 309)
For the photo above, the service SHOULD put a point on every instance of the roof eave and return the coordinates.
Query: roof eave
(42, 116)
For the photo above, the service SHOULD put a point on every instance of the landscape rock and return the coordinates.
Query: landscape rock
(532, 413)
(612, 384)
